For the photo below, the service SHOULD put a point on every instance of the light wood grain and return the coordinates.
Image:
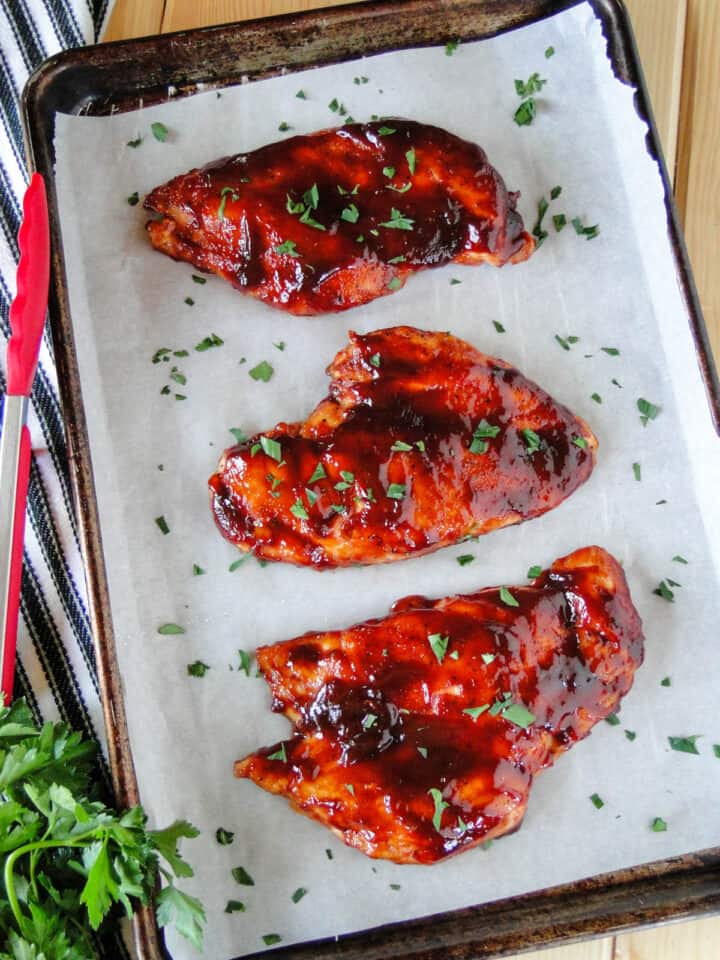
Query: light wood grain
(659, 27)
(698, 174)
(184, 14)
(134, 18)
(679, 42)
(699, 940)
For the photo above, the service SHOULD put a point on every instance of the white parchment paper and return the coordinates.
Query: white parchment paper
(152, 455)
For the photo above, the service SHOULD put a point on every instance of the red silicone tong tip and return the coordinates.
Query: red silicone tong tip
(27, 312)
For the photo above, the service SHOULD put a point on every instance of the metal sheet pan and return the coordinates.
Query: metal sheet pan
(103, 79)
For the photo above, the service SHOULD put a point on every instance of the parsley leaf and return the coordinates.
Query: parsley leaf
(397, 221)
(224, 837)
(531, 439)
(465, 558)
(198, 669)
(507, 598)
(438, 645)
(685, 744)
(648, 411)
(396, 491)
(450, 47)
(597, 801)
(159, 131)
(287, 248)
(263, 371)
(525, 113)
(658, 825)
(440, 806)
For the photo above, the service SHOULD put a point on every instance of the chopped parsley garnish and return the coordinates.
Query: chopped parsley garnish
(465, 558)
(299, 894)
(397, 221)
(309, 221)
(197, 279)
(388, 172)
(410, 157)
(559, 221)
(537, 231)
(648, 411)
(637, 471)
(400, 446)
(159, 131)
(454, 281)
(666, 682)
(630, 734)
(534, 572)
(596, 397)
(351, 213)
(162, 525)
(350, 789)
(386, 131)
(611, 351)
(359, 80)
(337, 508)
(298, 510)
(245, 661)
(347, 481)
(170, 629)
(134, 143)
(716, 750)
(401, 259)
(519, 715)
(263, 371)
(197, 570)
(133, 199)
(287, 248)
(301, 95)
(236, 564)
(550, 52)
(420, 444)
(612, 719)
(498, 326)
(161, 354)
(532, 440)
(270, 938)
(597, 801)
(476, 712)
(525, 113)
(440, 806)
(272, 448)
(208, 342)
(279, 754)
(395, 886)
(328, 853)
(488, 658)
(396, 491)
(234, 906)
(507, 598)
(334, 105)
(580, 442)
(438, 645)
(562, 341)
(198, 669)
(375, 359)
(450, 47)
(318, 473)
(224, 194)
(369, 720)
(658, 825)
(582, 231)
(534, 84)
(395, 283)
(283, 126)
(423, 752)
(685, 744)
(678, 559)
(664, 591)
(180, 396)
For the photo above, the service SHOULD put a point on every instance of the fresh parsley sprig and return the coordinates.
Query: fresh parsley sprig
(68, 859)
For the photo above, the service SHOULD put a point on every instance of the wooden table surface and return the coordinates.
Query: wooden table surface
(679, 43)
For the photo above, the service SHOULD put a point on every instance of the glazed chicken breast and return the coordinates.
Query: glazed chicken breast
(423, 441)
(418, 735)
(334, 219)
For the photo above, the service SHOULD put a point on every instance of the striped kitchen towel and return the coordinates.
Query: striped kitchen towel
(56, 662)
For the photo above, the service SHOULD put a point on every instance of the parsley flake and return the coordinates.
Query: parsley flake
(350, 213)
(263, 371)
(440, 806)
(630, 734)
(386, 131)
(580, 442)
(400, 446)
(596, 397)
(611, 351)
(498, 326)
(664, 591)
(525, 113)
(507, 598)
(283, 126)
(318, 473)
(298, 510)
(397, 221)
(207, 343)
(612, 720)
(438, 645)
(134, 143)
(559, 221)
(299, 894)
(451, 46)
(666, 682)
(375, 359)
(519, 715)
(648, 411)
(658, 825)
(133, 199)
(198, 669)
(465, 558)
(396, 491)
(582, 231)
(272, 448)
(394, 283)
(271, 938)
(597, 801)
(234, 906)
(301, 95)
(162, 525)
(685, 744)
(287, 248)
(197, 570)
(532, 440)
(550, 52)
(534, 572)
(476, 712)
(410, 157)
(279, 754)
(224, 194)
(170, 629)
(159, 131)
(423, 752)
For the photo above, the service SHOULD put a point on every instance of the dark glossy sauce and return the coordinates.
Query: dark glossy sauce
(378, 711)
(362, 208)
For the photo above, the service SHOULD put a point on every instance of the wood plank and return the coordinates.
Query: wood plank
(698, 169)
(184, 14)
(589, 950)
(134, 18)
(683, 941)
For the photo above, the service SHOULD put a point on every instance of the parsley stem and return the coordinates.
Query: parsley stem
(78, 841)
